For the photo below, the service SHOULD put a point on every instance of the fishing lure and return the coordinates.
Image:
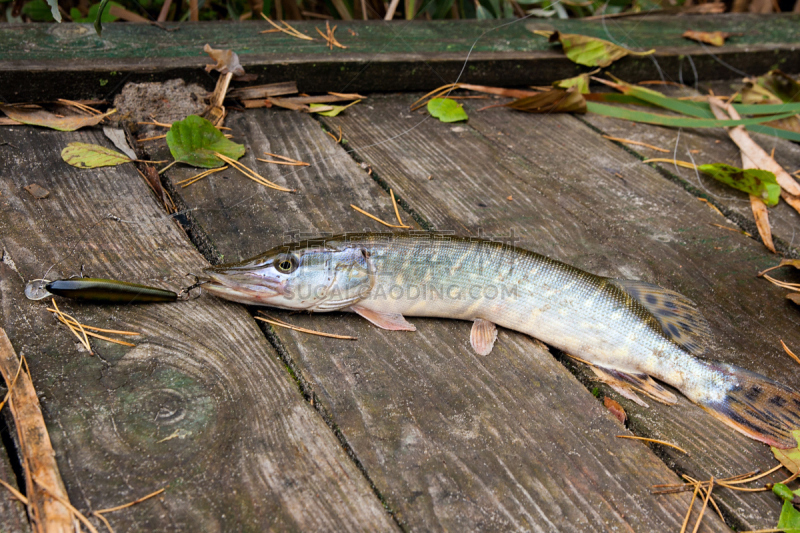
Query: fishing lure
(97, 290)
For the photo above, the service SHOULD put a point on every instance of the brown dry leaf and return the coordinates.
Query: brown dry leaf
(227, 61)
(616, 409)
(36, 116)
(264, 91)
(794, 296)
(714, 38)
(762, 221)
(37, 191)
(555, 100)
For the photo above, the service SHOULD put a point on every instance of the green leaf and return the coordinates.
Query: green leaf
(760, 183)
(446, 110)
(91, 15)
(789, 458)
(767, 109)
(330, 112)
(783, 491)
(676, 122)
(194, 140)
(98, 19)
(589, 51)
(581, 82)
(789, 521)
(84, 155)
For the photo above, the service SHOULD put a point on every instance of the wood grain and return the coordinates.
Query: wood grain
(201, 405)
(569, 203)
(452, 441)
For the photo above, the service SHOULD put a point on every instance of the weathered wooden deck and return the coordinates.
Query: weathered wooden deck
(254, 428)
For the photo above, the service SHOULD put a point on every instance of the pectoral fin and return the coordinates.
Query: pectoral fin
(626, 383)
(482, 336)
(390, 321)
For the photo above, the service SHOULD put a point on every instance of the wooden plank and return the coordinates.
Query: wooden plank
(201, 405)
(381, 55)
(713, 146)
(451, 440)
(568, 203)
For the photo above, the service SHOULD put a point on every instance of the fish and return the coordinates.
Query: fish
(630, 332)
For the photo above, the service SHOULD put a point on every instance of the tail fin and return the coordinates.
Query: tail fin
(755, 405)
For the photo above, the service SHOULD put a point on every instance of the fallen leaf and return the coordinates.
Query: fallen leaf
(759, 183)
(581, 82)
(789, 458)
(589, 51)
(117, 136)
(446, 110)
(83, 155)
(553, 101)
(714, 38)
(784, 87)
(756, 92)
(36, 116)
(330, 110)
(37, 191)
(227, 61)
(616, 409)
(794, 296)
(789, 520)
(762, 222)
(194, 140)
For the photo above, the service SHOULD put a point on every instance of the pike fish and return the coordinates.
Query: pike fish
(628, 331)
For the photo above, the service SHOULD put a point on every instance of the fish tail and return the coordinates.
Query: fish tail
(753, 404)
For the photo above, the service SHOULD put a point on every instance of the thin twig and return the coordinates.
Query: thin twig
(129, 504)
(105, 521)
(637, 143)
(653, 440)
(377, 219)
(82, 107)
(337, 139)
(725, 227)
(276, 322)
(157, 137)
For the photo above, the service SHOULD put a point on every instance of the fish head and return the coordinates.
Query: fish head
(308, 277)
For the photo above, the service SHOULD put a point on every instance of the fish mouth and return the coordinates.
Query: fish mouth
(241, 286)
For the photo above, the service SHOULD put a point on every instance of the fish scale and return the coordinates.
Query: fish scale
(628, 330)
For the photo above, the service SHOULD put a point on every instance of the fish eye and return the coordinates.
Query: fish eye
(286, 264)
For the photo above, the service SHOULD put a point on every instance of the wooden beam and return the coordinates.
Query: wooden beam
(381, 55)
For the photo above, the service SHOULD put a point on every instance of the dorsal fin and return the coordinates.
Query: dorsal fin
(678, 316)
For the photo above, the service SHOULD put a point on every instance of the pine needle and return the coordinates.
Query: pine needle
(396, 211)
(705, 504)
(13, 382)
(17, 494)
(376, 219)
(151, 138)
(288, 30)
(194, 179)
(276, 322)
(791, 354)
(637, 143)
(287, 159)
(684, 164)
(75, 323)
(653, 440)
(337, 139)
(782, 284)
(129, 504)
(63, 318)
(691, 506)
(251, 174)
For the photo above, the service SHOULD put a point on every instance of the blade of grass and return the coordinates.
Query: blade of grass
(675, 122)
